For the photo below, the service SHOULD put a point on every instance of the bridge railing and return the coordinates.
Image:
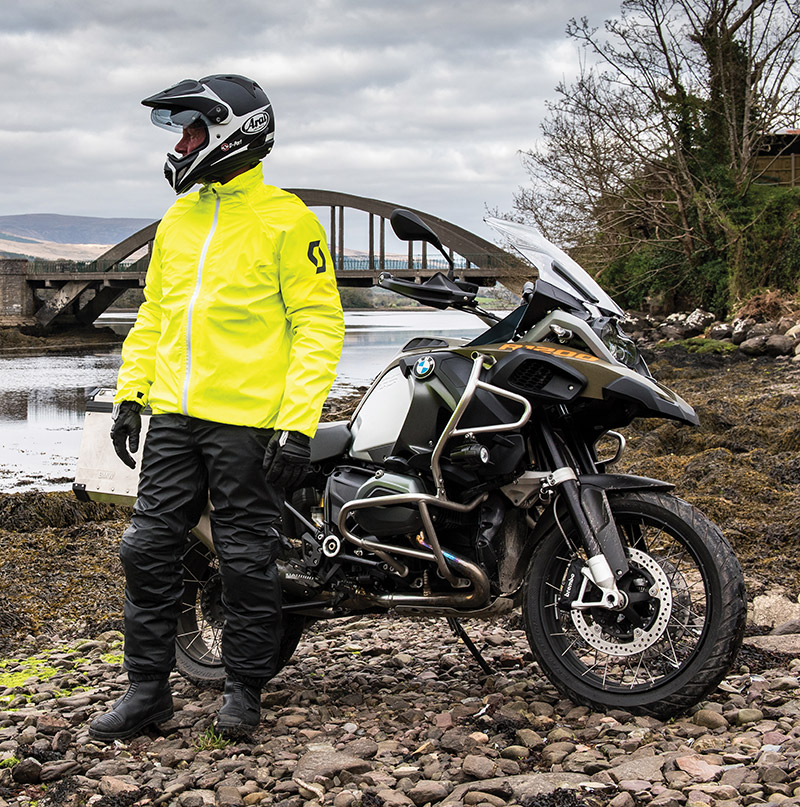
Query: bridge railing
(347, 263)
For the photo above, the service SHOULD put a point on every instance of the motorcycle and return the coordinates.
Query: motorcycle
(473, 480)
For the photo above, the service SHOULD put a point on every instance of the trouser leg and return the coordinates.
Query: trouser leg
(173, 491)
(244, 518)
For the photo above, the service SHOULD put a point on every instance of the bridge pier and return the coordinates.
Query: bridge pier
(17, 301)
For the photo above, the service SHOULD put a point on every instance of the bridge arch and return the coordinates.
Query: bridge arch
(108, 276)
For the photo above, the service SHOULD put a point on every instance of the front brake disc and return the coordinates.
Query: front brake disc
(660, 592)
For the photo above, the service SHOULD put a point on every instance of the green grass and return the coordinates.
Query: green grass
(210, 740)
(701, 346)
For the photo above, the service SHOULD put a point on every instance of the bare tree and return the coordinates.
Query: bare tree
(658, 136)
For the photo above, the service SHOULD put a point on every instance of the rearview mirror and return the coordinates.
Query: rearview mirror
(409, 226)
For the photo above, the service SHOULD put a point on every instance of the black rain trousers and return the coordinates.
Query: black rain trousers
(184, 461)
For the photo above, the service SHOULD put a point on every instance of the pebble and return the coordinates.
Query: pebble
(408, 739)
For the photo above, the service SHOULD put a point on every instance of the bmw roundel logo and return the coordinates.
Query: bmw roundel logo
(424, 367)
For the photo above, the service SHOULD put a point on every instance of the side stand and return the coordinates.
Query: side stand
(459, 631)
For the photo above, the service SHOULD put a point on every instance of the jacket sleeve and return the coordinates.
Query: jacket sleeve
(139, 349)
(316, 324)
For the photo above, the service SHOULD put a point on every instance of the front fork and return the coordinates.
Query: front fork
(590, 513)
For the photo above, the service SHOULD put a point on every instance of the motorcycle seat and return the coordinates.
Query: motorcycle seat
(331, 440)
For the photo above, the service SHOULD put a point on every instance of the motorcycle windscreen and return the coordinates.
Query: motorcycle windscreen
(553, 264)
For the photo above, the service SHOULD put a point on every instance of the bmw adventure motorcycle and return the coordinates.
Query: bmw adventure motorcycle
(471, 481)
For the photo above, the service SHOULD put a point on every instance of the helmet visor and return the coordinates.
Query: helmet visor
(177, 119)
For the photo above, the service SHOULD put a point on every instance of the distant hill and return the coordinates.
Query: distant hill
(34, 227)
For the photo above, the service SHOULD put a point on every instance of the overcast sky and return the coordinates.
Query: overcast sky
(425, 104)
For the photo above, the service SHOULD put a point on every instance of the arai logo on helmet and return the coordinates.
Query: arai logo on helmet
(424, 367)
(256, 124)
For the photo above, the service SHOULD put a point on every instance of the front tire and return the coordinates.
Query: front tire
(682, 629)
(199, 640)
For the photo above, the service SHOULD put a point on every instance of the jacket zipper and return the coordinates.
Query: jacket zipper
(195, 295)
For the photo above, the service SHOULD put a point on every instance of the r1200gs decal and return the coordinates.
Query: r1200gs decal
(561, 352)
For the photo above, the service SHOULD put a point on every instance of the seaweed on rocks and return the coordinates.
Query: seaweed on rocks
(143, 796)
(25, 512)
(61, 792)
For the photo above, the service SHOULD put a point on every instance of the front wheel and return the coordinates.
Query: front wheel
(680, 631)
(199, 639)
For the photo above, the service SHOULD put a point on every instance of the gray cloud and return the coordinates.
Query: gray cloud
(423, 104)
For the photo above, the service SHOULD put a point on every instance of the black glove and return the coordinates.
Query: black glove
(125, 430)
(287, 458)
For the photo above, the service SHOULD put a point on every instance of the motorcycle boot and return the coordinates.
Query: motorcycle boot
(240, 712)
(145, 703)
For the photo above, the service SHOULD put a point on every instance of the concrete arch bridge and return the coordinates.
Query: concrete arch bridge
(44, 292)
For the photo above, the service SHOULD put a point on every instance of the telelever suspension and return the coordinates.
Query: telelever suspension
(591, 515)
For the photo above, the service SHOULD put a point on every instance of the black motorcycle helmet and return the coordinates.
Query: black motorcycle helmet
(236, 115)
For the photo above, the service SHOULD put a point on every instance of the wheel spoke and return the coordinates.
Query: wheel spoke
(660, 630)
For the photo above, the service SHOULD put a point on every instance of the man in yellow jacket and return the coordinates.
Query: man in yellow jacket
(234, 349)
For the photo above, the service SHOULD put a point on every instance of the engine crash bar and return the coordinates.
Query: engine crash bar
(423, 500)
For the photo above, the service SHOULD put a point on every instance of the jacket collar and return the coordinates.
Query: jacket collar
(242, 183)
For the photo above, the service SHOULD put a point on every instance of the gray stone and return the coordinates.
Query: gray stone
(426, 791)
(762, 329)
(774, 608)
(785, 684)
(108, 767)
(778, 345)
(698, 321)
(363, 747)
(197, 798)
(719, 331)
(741, 328)
(754, 346)
(557, 752)
(648, 768)
(698, 768)
(790, 643)
(478, 767)
(58, 769)
(479, 797)
(784, 628)
(515, 752)
(115, 786)
(394, 798)
(27, 772)
(745, 716)
(525, 785)
(328, 763)
(229, 797)
(710, 719)
(530, 739)
(669, 798)
(671, 333)
(344, 799)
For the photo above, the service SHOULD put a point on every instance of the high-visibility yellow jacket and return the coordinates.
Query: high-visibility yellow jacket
(242, 322)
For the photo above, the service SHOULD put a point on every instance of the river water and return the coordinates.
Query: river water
(42, 397)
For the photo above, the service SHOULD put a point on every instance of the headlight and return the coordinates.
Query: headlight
(622, 347)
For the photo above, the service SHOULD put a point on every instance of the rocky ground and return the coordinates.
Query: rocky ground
(392, 711)
(25, 340)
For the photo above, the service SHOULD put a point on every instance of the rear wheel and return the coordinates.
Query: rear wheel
(680, 631)
(198, 643)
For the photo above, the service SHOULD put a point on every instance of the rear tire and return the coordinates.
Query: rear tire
(684, 626)
(198, 643)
